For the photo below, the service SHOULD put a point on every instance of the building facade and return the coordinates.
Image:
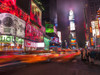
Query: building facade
(21, 25)
(90, 11)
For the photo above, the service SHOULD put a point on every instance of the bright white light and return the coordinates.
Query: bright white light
(72, 25)
(59, 35)
(12, 44)
(30, 44)
(71, 12)
(97, 32)
(71, 15)
(40, 44)
(73, 34)
(95, 28)
(93, 32)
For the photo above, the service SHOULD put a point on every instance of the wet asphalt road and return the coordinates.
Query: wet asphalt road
(73, 67)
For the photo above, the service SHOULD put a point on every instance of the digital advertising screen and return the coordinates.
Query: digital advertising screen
(72, 25)
(47, 43)
(33, 33)
(20, 27)
(6, 38)
(30, 43)
(37, 35)
(19, 43)
(35, 13)
(49, 28)
(40, 45)
(73, 41)
(7, 24)
(19, 40)
(12, 25)
(28, 31)
(59, 35)
(54, 40)
(71, 15)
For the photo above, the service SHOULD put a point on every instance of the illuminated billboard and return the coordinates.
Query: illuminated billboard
(19, 43)
(7, 24)
(37, 35)
(19, 40)
(33, 33)
(72, 34)
(54, 40)
(6, 38)
(72, 25)
(95, 28)
(40, 45)
(49, 28)
(71, 19)
(28, 31)
(47, 43)
(73, 41)
(12, 25)
(59, 35)
(71, 15)
(30, 43)
(20, 27)
(35, 13)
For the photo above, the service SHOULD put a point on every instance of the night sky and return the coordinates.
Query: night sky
(63, 7)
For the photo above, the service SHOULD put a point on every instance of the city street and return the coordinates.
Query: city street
(49, 37)
(72, 67)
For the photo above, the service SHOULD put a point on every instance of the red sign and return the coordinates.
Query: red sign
(9, 6)
(30, 44)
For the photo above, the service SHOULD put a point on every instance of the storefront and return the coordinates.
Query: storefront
(16, 26)
(30, 46)
(11, 29)
(19, 44)
(6, 43)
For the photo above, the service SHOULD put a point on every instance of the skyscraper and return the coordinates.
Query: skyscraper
(90, 12)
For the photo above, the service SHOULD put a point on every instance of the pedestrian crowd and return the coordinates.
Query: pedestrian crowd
(90, 55)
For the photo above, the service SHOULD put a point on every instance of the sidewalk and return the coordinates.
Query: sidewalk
(97, 62)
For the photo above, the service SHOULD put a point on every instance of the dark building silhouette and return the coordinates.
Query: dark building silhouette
(50, 11)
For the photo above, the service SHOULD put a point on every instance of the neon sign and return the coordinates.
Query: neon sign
(6, 39)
